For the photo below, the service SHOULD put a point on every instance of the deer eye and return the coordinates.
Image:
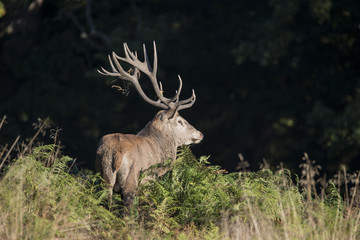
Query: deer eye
(181, 123)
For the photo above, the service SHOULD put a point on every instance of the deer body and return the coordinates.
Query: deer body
(120, 158)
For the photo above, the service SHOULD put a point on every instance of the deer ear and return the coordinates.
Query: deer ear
(161, 116)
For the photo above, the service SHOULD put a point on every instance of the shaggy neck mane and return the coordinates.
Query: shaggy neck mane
(158, 139)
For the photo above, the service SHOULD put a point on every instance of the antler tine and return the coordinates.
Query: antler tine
(128, 53)
(146, 59)
(130, 57)
(111, 63)
(133, 60)
(187, 103)
(155, 66)
(107, 73)
(161, 88)
(177, 93)
(119, 69)
(102, 71)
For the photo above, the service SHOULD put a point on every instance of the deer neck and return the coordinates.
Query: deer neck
(161, 142)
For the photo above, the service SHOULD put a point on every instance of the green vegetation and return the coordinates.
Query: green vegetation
(38, 202)
(211, 204)
(2, 9)
(43, 197)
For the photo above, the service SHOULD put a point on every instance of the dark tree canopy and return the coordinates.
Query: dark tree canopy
(273, 78)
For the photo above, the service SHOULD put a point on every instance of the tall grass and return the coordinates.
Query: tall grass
(41, 199)
(248, 205)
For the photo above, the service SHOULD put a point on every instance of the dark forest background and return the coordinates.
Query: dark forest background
(273, 79)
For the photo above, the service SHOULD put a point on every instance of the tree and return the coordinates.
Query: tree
(273, 79)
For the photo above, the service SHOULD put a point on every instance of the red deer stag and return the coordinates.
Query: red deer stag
(121, 157)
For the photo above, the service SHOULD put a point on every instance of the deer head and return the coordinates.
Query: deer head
(168, 120)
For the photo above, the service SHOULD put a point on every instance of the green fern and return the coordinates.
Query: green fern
(192, 191)
(39, 202)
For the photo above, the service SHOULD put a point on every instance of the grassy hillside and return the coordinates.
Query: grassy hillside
(42, 198)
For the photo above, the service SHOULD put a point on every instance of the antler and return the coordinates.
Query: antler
(132, 59)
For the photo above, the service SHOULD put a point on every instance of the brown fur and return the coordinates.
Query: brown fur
(121, 157)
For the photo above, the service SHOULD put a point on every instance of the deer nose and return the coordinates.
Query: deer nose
(201, 135)
(197, 137)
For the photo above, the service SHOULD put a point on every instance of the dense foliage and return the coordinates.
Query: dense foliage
(193, 192)
(38, 202)
(40, 199)
(43, 195)
(273, 79)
